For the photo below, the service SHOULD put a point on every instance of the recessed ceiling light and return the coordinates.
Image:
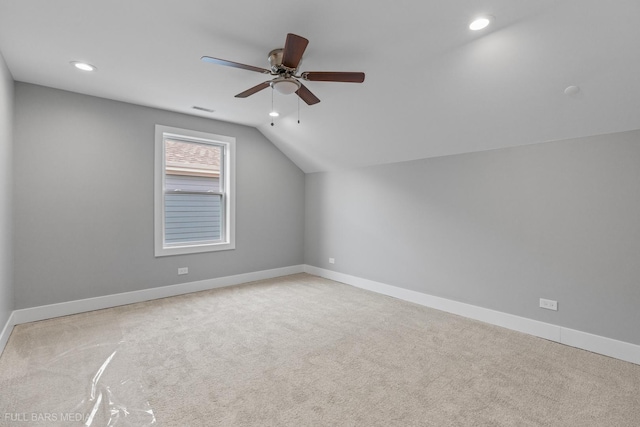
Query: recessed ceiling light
(274, 114)
(83, 66)
(480, 23)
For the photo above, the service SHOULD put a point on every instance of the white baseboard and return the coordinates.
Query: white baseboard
(6, 332)
(80, 306)
(586, 341)
(571, 337)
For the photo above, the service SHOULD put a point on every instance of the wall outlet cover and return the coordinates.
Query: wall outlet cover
(549, 304)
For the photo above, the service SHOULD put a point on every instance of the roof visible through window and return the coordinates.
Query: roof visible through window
(192, 158)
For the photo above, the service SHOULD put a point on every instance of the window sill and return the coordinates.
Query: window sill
(193, 249)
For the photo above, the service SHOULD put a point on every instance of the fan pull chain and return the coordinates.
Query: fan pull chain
(298, 109)
(271, 106)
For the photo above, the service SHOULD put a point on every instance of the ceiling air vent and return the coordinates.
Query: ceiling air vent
(195, 107)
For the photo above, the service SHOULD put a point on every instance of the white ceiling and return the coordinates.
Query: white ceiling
(432, 87)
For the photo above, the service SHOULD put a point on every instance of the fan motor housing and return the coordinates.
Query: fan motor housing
(275, 61)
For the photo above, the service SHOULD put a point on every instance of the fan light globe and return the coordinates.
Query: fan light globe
(285, 87)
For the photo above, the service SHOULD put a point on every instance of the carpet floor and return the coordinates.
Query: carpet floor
(301, 351)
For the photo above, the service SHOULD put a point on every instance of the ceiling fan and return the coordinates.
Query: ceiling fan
(284, 65)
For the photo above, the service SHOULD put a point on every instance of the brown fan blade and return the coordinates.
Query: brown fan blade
(256, 88)
(234, 64)
(333, 76)
(306, 95)
(293, 49)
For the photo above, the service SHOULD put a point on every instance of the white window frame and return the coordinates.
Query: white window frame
(228, 181)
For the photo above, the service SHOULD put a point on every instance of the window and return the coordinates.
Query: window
(194, 192)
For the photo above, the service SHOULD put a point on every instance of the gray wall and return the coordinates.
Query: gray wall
(497, 229)
(6, 239)
(83, 196)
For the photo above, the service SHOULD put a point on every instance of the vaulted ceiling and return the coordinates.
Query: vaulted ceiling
(432, 87)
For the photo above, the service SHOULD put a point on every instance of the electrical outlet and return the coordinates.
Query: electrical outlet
(549, 304)
(183, 270)
(332, 260)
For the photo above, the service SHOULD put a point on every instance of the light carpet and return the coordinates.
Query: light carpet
(302, 351)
